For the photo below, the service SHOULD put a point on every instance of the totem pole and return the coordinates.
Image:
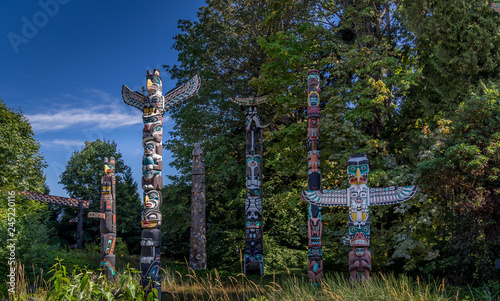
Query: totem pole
(496, 7)
(198, 253)
(358, 198)
(108, 218)
(59, 200)
(314, 225)
(153, 106)
(254, 241)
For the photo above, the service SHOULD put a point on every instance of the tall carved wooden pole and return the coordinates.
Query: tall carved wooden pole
(314, 226)
(254, 240)
(198, 253)
(108, 218)
(358, 197)
(153, 106)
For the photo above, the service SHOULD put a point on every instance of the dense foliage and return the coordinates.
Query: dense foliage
(411, 83)
(21, 168)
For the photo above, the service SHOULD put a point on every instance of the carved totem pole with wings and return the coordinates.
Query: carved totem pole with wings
(153, 106)
(254, 241)
(358, 198)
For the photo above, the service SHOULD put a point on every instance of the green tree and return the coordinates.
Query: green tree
(457, 46)
(392, 72)
(21, 163)
(461, 170)
(367, 68)
(21, 169)
(222, 46)
(82, 180)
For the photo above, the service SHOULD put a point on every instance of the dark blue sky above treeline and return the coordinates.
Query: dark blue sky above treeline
(63, 63)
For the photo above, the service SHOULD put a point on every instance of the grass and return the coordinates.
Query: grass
(296, 287)
(83, 284)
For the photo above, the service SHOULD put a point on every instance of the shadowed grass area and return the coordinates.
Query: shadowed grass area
(294, 287)
(84, 284)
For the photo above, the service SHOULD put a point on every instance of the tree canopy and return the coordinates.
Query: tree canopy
(399, 80)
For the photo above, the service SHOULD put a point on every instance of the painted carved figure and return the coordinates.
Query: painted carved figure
(153, 106)
(314, 226)
(198, 252)
(358, 197)
(360, 260)
(107, 215)
(254, 250)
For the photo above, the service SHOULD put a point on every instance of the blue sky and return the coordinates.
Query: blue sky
(63, 63)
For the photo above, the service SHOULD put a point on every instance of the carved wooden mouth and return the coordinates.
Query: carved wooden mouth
(362, 180)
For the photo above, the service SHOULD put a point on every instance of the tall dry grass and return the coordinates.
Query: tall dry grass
(212, 286)
(296, 288)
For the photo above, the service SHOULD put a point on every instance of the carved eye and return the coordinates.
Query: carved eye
(366, 230)
(363, 167)
(362, 194)
(354, 194)
(158, 128)
(352, 168)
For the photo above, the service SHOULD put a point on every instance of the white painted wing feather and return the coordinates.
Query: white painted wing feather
(391, 195)
(326, 198)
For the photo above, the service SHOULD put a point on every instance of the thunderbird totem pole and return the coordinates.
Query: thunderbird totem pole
(108, 218)
(198, 253)
(153, 106)
(254, 241)
(358, 198)
(314, 226)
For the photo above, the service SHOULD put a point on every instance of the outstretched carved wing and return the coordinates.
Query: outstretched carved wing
(326, 198)
(249, 101)
(134, 99)
(180, 93)
(391, 195)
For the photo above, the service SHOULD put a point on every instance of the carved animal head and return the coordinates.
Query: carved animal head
(154, 83)
(358, 169)
(359, 236)
(109, 165)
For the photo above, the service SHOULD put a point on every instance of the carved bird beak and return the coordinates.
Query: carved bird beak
(106, 169)
(358, 176)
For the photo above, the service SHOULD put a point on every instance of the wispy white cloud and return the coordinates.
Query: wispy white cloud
(94, 109)
(61, 143)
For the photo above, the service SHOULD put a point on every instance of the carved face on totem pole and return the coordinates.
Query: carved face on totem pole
(151, 219)
(358, 169)
(152, 199)
(155, 101)
(358, 195)
(109, 165)
(153, 128)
